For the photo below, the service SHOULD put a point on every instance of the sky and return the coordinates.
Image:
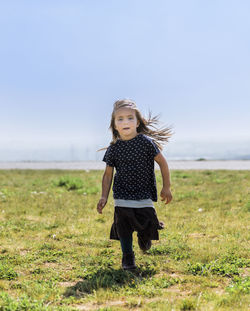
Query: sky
(64, 63)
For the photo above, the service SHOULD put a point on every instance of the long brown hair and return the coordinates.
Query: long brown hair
(148, 126)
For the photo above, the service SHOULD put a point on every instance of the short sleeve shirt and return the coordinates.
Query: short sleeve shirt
(134, 163)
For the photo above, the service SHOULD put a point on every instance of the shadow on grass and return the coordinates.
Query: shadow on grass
(109, 278)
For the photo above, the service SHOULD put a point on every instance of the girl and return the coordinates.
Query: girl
(132, 153)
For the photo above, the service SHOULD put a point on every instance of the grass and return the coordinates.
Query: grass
(55, 252)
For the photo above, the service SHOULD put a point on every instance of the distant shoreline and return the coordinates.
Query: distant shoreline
(99, 165)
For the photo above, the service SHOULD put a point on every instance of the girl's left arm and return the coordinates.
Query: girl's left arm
(165, 194)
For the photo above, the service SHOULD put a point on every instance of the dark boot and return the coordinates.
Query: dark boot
(144, 244)
(128, 261)
(161, 225)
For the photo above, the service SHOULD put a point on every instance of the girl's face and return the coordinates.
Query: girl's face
(126, 123)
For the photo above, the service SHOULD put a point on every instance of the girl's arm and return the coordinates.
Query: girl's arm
(165, 192)
(106, 184)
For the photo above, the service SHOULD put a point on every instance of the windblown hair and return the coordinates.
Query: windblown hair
(148, 126)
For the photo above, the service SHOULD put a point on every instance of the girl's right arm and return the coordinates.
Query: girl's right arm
(106, 184)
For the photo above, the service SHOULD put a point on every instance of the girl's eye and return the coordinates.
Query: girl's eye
(131, 118)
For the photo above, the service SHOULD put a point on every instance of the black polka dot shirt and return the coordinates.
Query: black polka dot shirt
(134, 163)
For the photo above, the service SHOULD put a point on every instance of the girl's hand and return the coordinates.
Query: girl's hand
(102, 202)
(166, 195)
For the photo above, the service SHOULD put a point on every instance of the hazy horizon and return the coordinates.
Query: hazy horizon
(185, 150)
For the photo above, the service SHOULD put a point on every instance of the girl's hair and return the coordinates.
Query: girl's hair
(148, 126)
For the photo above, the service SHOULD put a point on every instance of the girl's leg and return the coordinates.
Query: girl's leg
(144, 242)
(127, 244)
(128, 257)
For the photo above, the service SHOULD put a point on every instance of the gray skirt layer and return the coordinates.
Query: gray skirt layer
(142, 220)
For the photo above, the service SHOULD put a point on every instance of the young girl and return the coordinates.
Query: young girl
(132, 153)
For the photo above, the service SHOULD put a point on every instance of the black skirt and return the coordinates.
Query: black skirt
(142, 220)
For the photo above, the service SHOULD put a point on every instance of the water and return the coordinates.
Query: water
(99, 165)
(173, 151)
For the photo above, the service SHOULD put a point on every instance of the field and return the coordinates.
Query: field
(55, 252)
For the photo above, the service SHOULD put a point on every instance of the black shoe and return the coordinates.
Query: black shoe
(128, 261)
(161, 225)
(144, 244)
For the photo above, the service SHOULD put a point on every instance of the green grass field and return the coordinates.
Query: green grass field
(55, 252)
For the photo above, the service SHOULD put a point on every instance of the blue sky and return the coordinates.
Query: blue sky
(64, 63)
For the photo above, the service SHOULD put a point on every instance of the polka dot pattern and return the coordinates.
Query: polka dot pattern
(134, 163)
